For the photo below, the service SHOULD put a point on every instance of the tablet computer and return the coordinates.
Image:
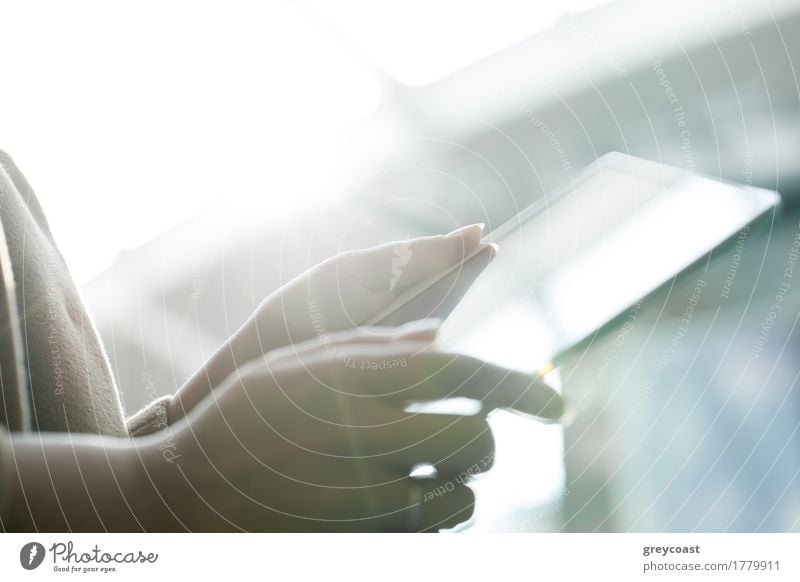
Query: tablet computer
(568, 265)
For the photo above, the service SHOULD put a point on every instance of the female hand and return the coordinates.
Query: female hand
(315, 437)
(340, 293)
(348, 289)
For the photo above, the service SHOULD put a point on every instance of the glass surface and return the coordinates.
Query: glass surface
(567, 270)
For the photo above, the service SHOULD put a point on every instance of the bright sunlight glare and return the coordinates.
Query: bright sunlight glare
(419, 42)
(129, 118)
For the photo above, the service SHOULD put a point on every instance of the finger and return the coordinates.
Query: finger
(421, 505)
(444, 504)
(431, 256)
(405, 505)
(411, 371)
(395, 441)
(456, 375)
(342, 430)
(423, 331)
(440, 298)
(455, 445)
(431, 375)
(298, 505)
(399, 264)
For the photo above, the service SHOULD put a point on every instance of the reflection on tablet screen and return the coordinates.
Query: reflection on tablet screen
(569, 268)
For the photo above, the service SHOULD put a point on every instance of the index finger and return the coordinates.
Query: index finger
(428, 375)
(457, 375)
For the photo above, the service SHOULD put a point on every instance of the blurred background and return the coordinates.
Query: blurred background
(193, 156)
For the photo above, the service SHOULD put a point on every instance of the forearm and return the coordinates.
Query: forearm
(70, 482)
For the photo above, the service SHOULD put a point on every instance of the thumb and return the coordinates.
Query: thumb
(402, 263)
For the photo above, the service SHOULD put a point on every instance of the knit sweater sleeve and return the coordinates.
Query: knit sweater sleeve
(152, 418)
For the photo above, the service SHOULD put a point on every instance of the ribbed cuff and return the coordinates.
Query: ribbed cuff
(152, 418)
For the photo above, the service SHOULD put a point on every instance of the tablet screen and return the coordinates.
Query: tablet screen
(572, 264)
